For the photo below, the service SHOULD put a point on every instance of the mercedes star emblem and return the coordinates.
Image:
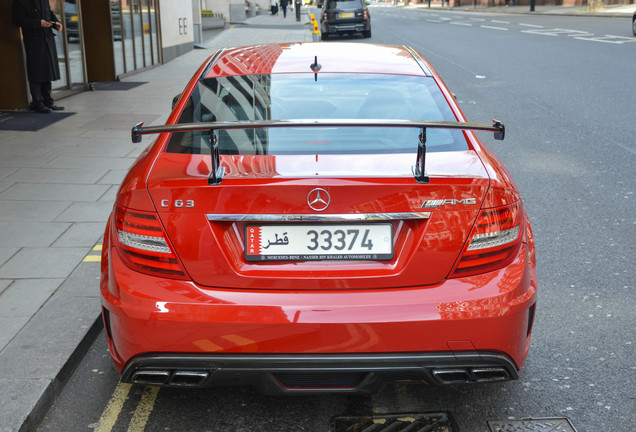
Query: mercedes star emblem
(318, 199)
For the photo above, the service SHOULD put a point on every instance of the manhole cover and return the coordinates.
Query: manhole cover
(429, 422)
(532, 425)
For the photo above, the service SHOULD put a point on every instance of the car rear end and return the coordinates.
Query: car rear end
(345, 16)
(318, 263)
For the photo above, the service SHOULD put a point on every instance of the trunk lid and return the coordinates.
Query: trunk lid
(212, 250)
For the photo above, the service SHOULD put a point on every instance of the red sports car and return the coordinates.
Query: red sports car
(317, 217)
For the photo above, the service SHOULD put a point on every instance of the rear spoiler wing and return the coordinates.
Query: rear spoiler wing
(216, 174)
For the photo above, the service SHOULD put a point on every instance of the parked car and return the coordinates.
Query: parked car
(311, 219)
(345, 16)
(71, 20)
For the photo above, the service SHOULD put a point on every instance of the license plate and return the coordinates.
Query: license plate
(303, 242)
(346, 14)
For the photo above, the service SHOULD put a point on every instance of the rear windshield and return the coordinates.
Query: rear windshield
(344, 4)
(327, 96)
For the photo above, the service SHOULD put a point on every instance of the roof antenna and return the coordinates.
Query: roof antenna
(315, 67)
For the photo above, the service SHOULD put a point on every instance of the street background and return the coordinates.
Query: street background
(564, 87)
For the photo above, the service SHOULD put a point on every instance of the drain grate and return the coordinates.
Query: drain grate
(532, 425)
(423, 422)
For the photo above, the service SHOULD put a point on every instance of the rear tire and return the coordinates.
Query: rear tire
(324, 36)
(634, 26)
(366, 34)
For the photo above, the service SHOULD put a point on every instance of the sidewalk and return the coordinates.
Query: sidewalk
(57, 187)
(610, 11)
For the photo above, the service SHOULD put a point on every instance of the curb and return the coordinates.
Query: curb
(55, 387)
(41, 358)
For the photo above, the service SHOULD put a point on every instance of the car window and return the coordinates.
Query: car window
(327, 96)
(344, 4)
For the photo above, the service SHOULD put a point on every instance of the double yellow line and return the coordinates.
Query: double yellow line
(116, 403)
(92, 257)
(113, 409)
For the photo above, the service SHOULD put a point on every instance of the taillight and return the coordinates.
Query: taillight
(365, 15)
(142, 244)
(324, 17)
(494, 241)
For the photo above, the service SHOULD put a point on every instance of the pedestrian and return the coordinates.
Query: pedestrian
(38, 22)
(283, 5)
(274, 6)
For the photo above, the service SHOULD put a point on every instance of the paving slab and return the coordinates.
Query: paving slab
(4, 283)
(23, 161)
(56, 175)
(24, 355)
(9, 327)
(83, 234)
(44, 263)
(21, 398)
(32, 211)
(28, 147)
(119, 135)
(118, 121)
(86, 212)
(6, 253)
(4, 172)
(25, 297)
(30, 234)
(53, 192)
(20, 302)
(113, 177)
(100, 147)
(98, 163)
(110, 195)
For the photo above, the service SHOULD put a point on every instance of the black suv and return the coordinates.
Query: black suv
(345, 16)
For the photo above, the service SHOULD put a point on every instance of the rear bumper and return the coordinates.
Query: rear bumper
(463, 329)
(346, 28)
(345, 373)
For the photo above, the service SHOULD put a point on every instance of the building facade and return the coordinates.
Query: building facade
(102, 40)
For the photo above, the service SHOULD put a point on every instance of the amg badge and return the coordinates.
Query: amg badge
(440, 202)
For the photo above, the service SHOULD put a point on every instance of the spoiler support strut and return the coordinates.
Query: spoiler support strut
(217, 171)
(418, 168)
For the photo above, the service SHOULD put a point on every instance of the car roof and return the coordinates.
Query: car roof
(332, 57)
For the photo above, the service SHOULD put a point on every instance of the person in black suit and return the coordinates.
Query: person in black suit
(38, 22)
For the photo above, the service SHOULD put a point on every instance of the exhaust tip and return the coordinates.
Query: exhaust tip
(477, 374)
(189, 378)
(452, 376)
(150, 377)
(491, 374)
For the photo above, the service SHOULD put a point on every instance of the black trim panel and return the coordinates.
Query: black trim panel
(261, 370)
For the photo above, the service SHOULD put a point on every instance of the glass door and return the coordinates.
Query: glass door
(135, 34)
(69, 45)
